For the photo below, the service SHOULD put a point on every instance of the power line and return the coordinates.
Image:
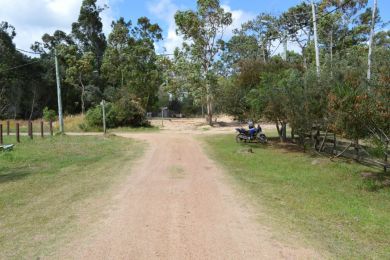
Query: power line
(20, 66)
(30, 52)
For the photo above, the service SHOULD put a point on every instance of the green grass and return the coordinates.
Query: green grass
(51, 189)
(327, 203)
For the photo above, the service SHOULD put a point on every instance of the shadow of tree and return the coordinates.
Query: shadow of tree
(374, 181)
(9, 175)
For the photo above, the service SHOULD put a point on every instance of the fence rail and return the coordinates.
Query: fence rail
(18, 128)
(328, 143)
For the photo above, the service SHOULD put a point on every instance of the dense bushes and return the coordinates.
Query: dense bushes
(125, 112)
(340, 101)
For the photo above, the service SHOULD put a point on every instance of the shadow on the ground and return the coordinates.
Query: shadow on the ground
(8, 175)
(375, 181)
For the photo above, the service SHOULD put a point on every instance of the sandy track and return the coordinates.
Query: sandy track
(177, 205)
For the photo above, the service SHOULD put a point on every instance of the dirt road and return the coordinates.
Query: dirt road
(177, 204)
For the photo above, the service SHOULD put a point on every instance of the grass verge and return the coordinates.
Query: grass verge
(71, 124)
(52, 188)
(328, 203)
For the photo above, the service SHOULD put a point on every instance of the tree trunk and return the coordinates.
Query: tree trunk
(33, 103)
(284, 132)
(82, 95)
(331, 52)
(293, 134)
(264, 58)
(209, 110)
(317, 52)
(304, 58)
(278, 129)
(371, 42)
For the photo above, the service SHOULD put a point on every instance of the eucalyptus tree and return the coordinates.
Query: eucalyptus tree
(79, 70)
(130, 61)
(240, 47)
(296, 22)
(23, 88)
(114, 60)
(264, 28)
(7, 54)
(183, 76)
(88, 30)
(204, 28)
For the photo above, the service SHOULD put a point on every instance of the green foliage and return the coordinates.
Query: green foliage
(88, 30)
(126, 112)
(350, 117)
(129, 112)
(94, 117)
(130, 61)
(49, 114)
(204, 28)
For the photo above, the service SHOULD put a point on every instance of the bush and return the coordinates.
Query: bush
(49, 114)
(94, 117)
(125, 112)
(129, 112)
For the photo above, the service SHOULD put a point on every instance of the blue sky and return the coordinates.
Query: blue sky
(161, 11)
(134, 9)
(46, 16)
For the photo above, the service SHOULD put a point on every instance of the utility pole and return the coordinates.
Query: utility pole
(316, 38)
(103, 103)
(285, 47)
(371, 42)
(60, 116)
(162, 115)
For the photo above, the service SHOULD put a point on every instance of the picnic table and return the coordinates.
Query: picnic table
(7, 147)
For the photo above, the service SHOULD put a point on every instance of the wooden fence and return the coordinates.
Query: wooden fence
(337, 147)
(18, 128)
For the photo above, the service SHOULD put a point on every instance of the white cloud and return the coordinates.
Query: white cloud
(239, 17)
(165, 10)
(33, 18)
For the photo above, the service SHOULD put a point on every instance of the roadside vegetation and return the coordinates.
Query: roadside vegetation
(52, 188)
(342, 208)
(337, 85)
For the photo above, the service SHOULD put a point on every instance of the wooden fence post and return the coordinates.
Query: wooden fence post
(386, 156)
(357, 149)
(30, 130)
(17, 133)
(51, 127)
(1, 134)
(7, 127)
(41, 128)
(334, 144)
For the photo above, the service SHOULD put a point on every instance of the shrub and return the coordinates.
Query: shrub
(125, 112)
(129, 112)
(49, 114)
(94, 117)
